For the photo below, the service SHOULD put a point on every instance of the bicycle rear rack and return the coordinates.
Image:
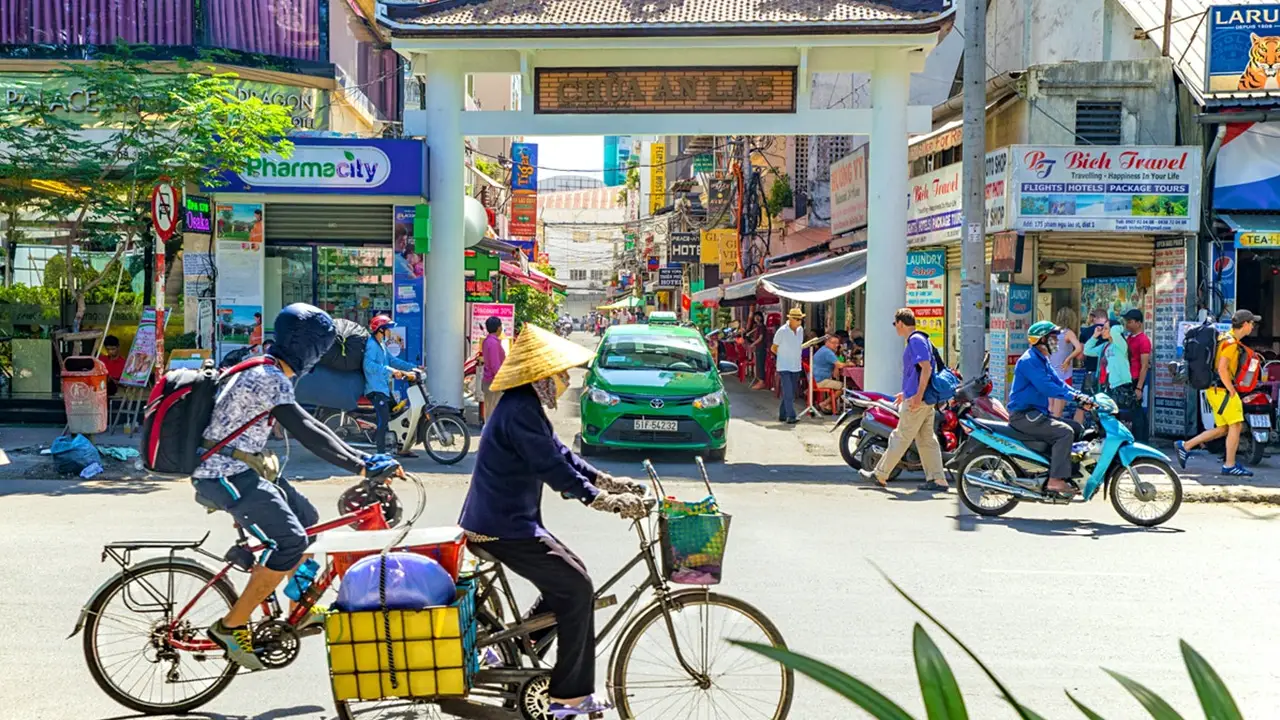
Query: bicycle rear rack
(122, 552)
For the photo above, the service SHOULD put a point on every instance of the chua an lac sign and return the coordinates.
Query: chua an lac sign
(665, 90)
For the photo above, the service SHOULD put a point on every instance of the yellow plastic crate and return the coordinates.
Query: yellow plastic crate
(434, 651)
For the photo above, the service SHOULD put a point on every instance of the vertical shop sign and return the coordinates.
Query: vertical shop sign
(1222, 259)
(1169, 397)
(927, 292)
(408, 290)
(728, 251)
(238, 316)
(657, 176)
(1021, 313)
(524, 166)
(524, 215)
(849, 192)
(998, 338)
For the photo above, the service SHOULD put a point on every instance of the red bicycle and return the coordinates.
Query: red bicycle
(144, 629)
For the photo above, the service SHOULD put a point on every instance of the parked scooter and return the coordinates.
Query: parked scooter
(998, 467)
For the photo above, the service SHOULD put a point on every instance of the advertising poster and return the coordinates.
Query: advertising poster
(1170, 279)
(1241, 39)
(927, 292)
(524, 215)
(849, 192)
(240, 262)
(142, 354)
(240, 325)
(524, 166)
(998, 340)
(409, 291)
(481, 312)
(1021, 314)
(657, 176)
(1222, 259)
(241, 221)
(1142, 189)
(1115, 294)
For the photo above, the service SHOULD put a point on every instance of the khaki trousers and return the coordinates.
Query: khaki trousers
(914, 426)
(490, 399)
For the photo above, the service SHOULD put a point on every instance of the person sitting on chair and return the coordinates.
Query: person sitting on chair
(827, 370)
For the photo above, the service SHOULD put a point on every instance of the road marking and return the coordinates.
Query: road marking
(1077, 573)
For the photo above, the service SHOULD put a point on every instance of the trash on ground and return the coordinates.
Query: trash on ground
(119, 452)
(73, 454)
(92, 471)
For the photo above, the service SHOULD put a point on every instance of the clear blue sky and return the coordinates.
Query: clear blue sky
(584, 154)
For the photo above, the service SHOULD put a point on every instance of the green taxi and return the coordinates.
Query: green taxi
(655, 386)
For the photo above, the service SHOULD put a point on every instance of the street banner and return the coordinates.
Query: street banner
(524, 166)
(1241, 50)
(409, 292)
(657, 177)
(1127, 188)
(849, 192)
(927, 292)
(1169, 396)
(1246, 175)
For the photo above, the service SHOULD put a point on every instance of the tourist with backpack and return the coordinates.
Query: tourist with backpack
(213, 425)
(1234, 371)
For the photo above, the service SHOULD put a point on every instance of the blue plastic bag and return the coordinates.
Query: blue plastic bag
(73, 454)
(413, 582)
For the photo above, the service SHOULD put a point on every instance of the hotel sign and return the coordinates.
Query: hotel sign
(665, 90)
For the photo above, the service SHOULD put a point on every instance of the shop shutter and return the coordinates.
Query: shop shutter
(340, 224)
(953, 255)
(1136, 250)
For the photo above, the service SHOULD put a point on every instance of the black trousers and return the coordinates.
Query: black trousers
(382, 409)
(568, 593)
(1047, 428)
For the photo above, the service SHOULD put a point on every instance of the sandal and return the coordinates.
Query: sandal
(932, 486)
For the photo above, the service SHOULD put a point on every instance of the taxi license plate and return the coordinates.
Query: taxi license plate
(657, 425)
(1259, 421)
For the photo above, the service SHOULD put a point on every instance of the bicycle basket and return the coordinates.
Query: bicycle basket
(693, 547)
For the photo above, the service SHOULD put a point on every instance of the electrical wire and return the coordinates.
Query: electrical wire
(671, 161)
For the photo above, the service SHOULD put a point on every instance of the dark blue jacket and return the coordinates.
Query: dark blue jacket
(1034, 382)
(519, 452)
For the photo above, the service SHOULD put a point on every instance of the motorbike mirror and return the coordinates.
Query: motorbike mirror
(727, 368)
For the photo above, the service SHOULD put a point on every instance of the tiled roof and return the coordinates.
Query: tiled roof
(602, 198)
(799, 15)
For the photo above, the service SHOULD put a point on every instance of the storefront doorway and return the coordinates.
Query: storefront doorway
(350, 282)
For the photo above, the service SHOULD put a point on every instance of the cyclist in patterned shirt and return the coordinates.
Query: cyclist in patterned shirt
(242, 478)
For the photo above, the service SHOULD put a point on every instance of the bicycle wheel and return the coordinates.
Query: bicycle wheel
(446, 439)
(126, 640)
(648, 680)
(348, 428)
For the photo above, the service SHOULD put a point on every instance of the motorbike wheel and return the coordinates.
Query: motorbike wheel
(990, 503)
(869, 457)
(348, 429)
(1147, 493)
(446, 439)
(1250, 451)
(848, 446)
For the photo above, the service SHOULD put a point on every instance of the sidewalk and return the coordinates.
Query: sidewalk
(1200, 481)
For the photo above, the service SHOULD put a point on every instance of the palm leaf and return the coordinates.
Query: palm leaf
(1159, 709)
(856, 691)
(1215, 698)
(942, 698)
(1087, 712)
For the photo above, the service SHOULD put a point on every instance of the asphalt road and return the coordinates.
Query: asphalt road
(1046, 597)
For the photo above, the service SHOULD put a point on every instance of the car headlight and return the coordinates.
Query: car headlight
(600, 397)
(715, 399)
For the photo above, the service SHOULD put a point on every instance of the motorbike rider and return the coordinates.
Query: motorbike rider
(242, 479)
(379, 367)
(518, 454)
(1034, 383)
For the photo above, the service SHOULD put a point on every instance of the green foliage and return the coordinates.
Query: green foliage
(780, 195)
(490, 168)
(941, 693)
(533, 305)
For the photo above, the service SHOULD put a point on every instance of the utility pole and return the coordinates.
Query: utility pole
(973, 329)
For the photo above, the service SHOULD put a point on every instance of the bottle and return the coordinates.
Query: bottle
(301, 580)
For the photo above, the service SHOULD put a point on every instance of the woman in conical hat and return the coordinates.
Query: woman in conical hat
(519, 453)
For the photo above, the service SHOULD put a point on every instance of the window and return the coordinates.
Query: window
(576, 274)
(597, 275)
(1098, 123)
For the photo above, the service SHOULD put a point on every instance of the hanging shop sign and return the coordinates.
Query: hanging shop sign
(996, 192)
(685, 248)
(1170, 280)
(523, 214)
(671, 277)
(704, 163)
(927, 292)
(337, 166)
(935, 203)
(849, 192)
(1243, 45)
(709, 250)
(1258, 240)
(665, 90)
(527, 246)
(524, 166)
(657, 177)
(1130, 188)
(719, 190)
(1006, 252)
(1246, 175)
(197, 214)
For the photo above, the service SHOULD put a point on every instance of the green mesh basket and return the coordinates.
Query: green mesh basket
(693, 535)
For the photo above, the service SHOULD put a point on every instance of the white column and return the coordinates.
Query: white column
(444, 332)
(886, 220)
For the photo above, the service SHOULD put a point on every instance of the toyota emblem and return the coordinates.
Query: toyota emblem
(656, 403)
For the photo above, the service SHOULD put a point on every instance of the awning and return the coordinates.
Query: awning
(630, 301)
(819, 281)
(533, 278)
(1254, 232)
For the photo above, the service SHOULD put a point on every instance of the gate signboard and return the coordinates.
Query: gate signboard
(665, 90)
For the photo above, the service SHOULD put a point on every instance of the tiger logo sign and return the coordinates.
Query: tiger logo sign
(1264, 63)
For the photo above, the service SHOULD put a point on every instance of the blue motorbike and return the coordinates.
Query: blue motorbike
(999, 467)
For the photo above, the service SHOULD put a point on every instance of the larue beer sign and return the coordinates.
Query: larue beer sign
(665, 90)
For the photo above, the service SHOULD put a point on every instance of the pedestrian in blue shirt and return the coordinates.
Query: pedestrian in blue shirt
(380, 367)
(1035, 382)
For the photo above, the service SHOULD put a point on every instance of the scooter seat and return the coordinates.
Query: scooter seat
(1006, 430)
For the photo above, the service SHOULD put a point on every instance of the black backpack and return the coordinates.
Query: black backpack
(1199, 350)
(178, 413)
(347, 352)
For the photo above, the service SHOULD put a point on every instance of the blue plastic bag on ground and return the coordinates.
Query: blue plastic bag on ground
(413, 582)
(73, 454)
(329, 388)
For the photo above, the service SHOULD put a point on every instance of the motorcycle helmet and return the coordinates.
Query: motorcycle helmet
(380, 322)
(1040, 331)
(304, 334)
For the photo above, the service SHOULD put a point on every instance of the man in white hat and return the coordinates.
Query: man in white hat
(788, 342)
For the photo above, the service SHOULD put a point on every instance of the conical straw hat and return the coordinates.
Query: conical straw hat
(538, 354)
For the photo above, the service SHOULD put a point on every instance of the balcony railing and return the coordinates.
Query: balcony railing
(292, 32)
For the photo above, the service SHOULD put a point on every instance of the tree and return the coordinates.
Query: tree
(534, 306)
(93, 180)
